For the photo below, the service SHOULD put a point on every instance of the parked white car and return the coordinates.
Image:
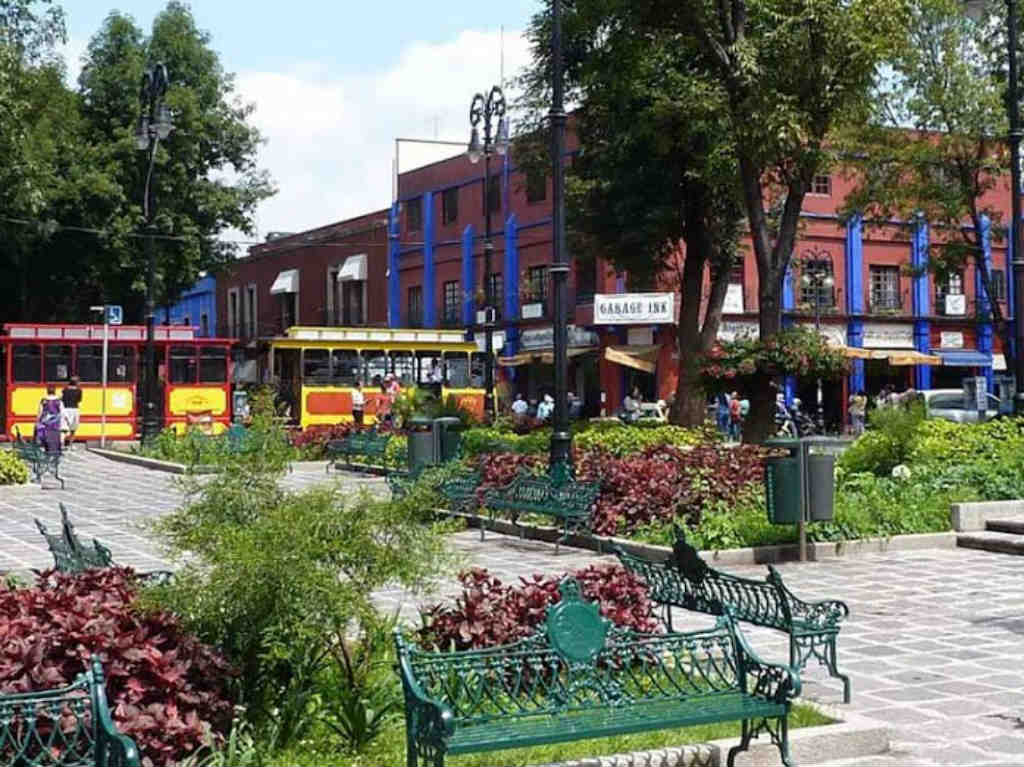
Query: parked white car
(949, 404)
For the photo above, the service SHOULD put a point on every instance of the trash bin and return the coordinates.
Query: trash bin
(447, 439)
(421, 442)
(783, 491)
(821, 486)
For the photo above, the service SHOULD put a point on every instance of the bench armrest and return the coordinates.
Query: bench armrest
(828, 611)
(774, 681)
(430, 719)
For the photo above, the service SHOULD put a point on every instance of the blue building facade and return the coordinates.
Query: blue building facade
(197, 307)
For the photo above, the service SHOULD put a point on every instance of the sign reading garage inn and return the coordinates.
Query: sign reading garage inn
(634, 309)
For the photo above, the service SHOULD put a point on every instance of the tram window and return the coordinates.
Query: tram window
(477, 366)
(316, 366)
(346, 366)
(120, 363)
(430, 371)
(27, 361)
(213, 364)
(375, 366)
(183, 364)
(56, 364)
(90, 363)
(404, 367)
(456, 370)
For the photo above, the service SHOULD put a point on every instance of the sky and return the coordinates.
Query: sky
(334, 83)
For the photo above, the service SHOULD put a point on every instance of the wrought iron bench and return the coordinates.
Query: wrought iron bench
(685, 580)
(72, 555)
(40, 461)
(460, 491)
(368, 445)
(569, 502)
(401, 481)
(578, 677)
(65, 727)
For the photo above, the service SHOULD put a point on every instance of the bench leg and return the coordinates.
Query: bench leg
(833, 671)
(778, 731)
(822, 647)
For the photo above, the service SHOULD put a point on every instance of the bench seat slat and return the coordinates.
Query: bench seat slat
(611, 720)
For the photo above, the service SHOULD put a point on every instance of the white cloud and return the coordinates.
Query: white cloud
(330, 140)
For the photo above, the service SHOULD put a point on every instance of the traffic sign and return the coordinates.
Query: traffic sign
(114, 314)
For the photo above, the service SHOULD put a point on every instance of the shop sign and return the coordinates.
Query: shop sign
(634, 308)
(544, 338)
(879, 335)
(640, 336)
(532, 311)
(731, 330)
(956, 305)
(951, 340)
(835, 335)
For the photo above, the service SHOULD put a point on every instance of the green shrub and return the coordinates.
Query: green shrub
(938, 440)
(497, 440)
(622, 440)
(887, 444)
(13, 470)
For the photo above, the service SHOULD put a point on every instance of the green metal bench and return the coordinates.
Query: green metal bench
(65, 727)
(685, 580)
(460, 491)
(569, 502)
(368, 445)
(401, 481)
(578, 677)
(40, 462)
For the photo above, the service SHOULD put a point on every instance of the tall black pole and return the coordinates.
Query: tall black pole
(561, 439)
(488, 293)
(1015, 205)
(817, 331)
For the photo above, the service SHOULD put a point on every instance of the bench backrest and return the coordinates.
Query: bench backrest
(577, 661)
(570, 498)
(65, 558)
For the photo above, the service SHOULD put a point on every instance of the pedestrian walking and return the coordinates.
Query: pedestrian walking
(735, 417)
(71, 398)
(49, 420)
(858, 410)
(722, 413)
(358, 403)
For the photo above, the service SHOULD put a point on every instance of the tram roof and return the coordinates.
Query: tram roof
(400, 337)
(37, 331)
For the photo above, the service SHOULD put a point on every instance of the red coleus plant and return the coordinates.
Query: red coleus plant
(489, 613)
(164, 686)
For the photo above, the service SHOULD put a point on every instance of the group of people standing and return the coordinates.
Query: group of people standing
(731, 411)
(390, 389)
(58, 417)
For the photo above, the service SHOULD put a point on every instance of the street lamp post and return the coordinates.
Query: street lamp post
(817, 279)
(486, 109)
(561, 439)
(154, 125)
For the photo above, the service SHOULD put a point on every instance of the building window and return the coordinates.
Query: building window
(494, 193)
(250, 311)
(289, 310)
(998, 284)
(537, 284)
(816, 293)
(414, 315)
(233, 315)
(414, 214)
(822, 184)
(953, 285)
(352, 292)
(586, 280)
(885, 288)
(452, 294)
(186, 321)
(450, 205)
(204, 325)
(496, 293)
(536, 186)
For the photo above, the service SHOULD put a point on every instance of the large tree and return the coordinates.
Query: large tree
(655, 169)
(935, 145)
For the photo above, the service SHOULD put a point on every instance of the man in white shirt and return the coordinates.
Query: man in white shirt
(358, 403)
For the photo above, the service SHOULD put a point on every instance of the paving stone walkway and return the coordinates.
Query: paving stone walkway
(934, 644)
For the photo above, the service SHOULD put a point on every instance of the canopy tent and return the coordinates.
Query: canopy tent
(894, 356)
(354, 268)
(643, 358)
(286, 282)
(966, 358)
(543, 356)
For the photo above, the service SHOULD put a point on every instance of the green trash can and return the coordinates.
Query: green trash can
(783, 491)
(447, 438)
(821, 486)
(421, 442)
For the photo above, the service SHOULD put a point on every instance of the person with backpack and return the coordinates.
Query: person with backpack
(71, 398)
(50, 420)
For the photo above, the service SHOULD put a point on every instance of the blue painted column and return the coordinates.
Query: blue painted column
(1010, 288)
(982, 298)
(429, 282)
(788, 305)
(468, 278)
(394, 299)
(921, 301)
(511, 279)
(854, 263)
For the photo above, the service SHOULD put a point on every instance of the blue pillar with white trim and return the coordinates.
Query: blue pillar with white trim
(921, 301)
(394, 305)
(788, 305)
(982, 299)
(854, 263)
(511, 279)
(429, 286)
(468, 278)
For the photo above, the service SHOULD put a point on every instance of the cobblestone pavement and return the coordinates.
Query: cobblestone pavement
(933, 645)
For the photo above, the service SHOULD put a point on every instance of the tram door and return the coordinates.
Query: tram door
(288, 382)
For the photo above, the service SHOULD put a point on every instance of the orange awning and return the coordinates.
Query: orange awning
(643, 358)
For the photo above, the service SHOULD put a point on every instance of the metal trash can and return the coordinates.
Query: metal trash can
(421, 442)
(821, 486)
(447, 438)
(783, 489)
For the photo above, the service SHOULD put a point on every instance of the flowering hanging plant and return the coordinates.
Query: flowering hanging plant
(798, 351)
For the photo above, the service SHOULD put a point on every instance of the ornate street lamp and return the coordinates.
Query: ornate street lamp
(818, 280)
(485, 110)
(154, 125)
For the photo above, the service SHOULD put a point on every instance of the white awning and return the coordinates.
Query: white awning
(286, 282)
(354, 268)
(999, 362)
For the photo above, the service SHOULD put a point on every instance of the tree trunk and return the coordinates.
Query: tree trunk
(760, 423)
